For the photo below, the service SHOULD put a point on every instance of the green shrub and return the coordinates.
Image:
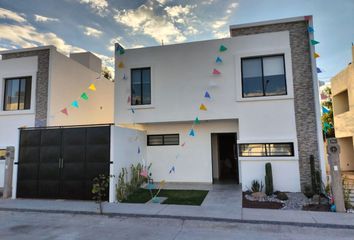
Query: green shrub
(99, 189)
(256, 186)
(282, 196)
(308, 191)
(124, 187)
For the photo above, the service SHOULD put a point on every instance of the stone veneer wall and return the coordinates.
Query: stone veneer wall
(305, 112)
(41, 83)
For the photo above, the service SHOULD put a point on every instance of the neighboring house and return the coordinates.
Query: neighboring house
(343, 111)
(36, 84)
(259, 91)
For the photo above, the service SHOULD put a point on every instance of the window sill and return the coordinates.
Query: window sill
(136, 107)
(265, 98)
(249, 159)
(16, 112)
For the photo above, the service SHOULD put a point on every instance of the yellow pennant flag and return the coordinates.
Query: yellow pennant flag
(202, 107)
(92, 87)
(316, 55)
(121, 65)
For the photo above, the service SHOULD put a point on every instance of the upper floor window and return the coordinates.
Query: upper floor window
(17, 95)
(263, 76)
(141, 86)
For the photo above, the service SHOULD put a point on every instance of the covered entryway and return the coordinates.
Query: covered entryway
(60, 163)
(225, 157)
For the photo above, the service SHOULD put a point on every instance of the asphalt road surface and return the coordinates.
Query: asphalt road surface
(53, 226)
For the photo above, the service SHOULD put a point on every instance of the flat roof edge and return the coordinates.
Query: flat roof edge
(27, 49)
(269, 22)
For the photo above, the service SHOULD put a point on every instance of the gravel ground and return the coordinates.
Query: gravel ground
(296, 201)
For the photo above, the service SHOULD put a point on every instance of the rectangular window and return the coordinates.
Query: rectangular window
(267, 150)
(159, 140)
(140, 86)
(263, 76)
(17, 94)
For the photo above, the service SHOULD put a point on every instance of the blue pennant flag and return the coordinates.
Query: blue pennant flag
(191, 133)
(218, 60)
(319, 70)
(132, 110)
(325, 110)
(75, 104)
(310, 29)
(207, 95)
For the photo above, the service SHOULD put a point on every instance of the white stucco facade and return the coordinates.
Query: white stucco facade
(180, 75)
(67, 80)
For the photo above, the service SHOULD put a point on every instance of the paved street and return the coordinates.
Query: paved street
(26, 225)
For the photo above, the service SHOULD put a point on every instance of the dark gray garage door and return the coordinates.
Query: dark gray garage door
(60, 163)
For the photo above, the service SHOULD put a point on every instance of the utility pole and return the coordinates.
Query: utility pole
(333, 151)
(9, 163)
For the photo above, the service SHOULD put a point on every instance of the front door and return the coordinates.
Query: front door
(228, 161)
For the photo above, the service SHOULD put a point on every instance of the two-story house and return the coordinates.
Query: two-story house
(40, 87)
(218, 110)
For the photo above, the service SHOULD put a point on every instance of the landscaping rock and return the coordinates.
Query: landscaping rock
(282, 196)
(258, 195)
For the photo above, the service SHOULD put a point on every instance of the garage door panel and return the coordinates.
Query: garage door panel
(29, 154)
(61, 163)
(99, 135)
(26, 189)
(98, 153)
(48, 189)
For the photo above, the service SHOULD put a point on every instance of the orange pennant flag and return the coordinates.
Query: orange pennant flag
(316, 55)
(121, 65)
(202, 107)
(92, 87)
(64, 111)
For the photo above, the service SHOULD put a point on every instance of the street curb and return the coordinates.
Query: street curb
(210, 219)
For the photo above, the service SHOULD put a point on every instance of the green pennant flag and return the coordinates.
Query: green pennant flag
(196, 121)
(222, 48)
(314, 42)
(121, 51)
(84, 96)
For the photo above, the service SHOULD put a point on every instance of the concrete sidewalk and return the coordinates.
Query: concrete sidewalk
(210, 212)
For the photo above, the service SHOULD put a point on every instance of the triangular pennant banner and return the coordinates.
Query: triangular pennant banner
(218, 60)
(325, 110)
(124, 77)
(222, 48)
(92, 87)
(84, 96)
(202, 107)
(132, 109)
(316, 55)
(310, 29)
(314, 42)
(196, 121)
(172, 170)
(64, 111)
(319, 70)
(75, 104)
(191, 133)
(216, 72)
(121, 65)
(207, 95)
(121, 51)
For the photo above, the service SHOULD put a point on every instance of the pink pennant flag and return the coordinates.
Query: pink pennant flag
(64, 111)
(216, 72)
(144, 173)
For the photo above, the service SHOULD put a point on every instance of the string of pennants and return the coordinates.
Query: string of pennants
(313, 43)
(202, 106)
(84, 96)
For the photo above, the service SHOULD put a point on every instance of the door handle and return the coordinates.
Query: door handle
(62, 163)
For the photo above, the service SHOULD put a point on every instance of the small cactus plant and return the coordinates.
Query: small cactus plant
(268, 179)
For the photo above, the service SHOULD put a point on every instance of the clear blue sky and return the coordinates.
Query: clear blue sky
(94, 25)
